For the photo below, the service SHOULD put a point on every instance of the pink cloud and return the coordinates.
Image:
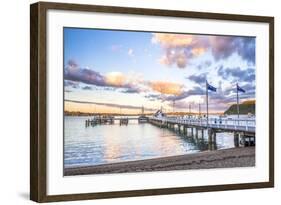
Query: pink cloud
(165, 87)
(180, 49)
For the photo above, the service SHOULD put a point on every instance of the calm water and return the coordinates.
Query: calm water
(114, 143)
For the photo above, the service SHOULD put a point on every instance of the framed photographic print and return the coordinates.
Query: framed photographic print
(134, 102)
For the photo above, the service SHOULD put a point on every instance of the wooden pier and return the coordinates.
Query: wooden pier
(99, 120)
(103, 120)
(243, 129)
(124, 121)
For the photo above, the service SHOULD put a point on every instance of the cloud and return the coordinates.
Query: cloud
(109, 104)
(174, 56)
(194, 91)
(219, 100)
(130, 83)
(224, 46)
(198, 79)
(247, 49)
(166, 87)
(250, 88)
(236, 74)
(172, 40)
(153, 97)
(73, 72)
(131, 52)
(184, 94)
(180, 49)
(72, 63)
(87, 88)
(74, 75)
(72, 84)
(115, 79)
(198, 51)
(131, 90)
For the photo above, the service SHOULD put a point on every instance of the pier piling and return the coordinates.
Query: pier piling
(236, 139)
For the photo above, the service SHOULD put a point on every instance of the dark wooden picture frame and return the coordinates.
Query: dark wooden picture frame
(38, 101)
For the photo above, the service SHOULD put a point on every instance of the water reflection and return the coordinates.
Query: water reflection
(113, 143)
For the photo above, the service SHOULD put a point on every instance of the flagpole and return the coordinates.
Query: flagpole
(237, 96)
(207, 104)
(199, 110)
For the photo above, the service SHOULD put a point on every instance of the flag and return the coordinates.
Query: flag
(239, 89)
(210, 87)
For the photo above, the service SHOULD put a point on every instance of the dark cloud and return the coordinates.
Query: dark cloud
(130, 90)
(237, 74)
(74, 75)
(181, 49)
(87, 88)
(199, 79)
(153, 97)
(194, 91)
(247, 49)
(72, 84)
(224, 46)
(72, 63)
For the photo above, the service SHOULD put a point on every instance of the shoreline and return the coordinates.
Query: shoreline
(226, 158)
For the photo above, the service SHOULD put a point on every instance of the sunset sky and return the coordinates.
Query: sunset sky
(121, 71)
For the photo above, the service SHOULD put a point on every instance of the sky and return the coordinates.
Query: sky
(120, 71)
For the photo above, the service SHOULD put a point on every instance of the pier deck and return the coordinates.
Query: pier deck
(242, 129)
(231, 125)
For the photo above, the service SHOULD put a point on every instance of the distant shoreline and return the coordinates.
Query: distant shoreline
(227, 158)
(82, 114)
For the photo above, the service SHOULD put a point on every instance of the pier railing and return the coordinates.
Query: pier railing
(248, 125)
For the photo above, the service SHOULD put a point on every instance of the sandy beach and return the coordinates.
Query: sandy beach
(227, 158)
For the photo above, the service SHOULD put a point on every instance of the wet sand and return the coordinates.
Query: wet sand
(234, 157)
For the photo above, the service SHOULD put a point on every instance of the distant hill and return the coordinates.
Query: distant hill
(249, 102)
(244, 108)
